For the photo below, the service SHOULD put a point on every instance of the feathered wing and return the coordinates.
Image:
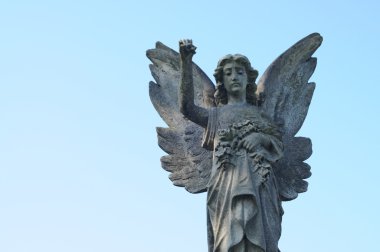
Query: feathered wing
(287, 95)
(189, 163)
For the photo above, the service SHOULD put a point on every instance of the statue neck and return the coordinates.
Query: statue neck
(236, 99)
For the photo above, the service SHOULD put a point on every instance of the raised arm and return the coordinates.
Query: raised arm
(187, 107)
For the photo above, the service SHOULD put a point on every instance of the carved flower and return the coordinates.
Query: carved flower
(221, 150)
(241, 124)
(225, 134)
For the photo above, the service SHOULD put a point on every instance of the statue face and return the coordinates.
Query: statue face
(235, 78)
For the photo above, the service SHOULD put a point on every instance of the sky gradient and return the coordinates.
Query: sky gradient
(79, 160)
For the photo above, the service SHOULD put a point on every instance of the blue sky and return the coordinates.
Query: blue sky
(79, 161)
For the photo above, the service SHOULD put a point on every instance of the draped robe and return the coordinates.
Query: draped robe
(244, 208)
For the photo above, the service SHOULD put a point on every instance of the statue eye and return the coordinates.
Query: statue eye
(228, 73)
(240, 71)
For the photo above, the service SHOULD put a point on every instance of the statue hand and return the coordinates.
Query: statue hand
(186, 48)
(253, 141)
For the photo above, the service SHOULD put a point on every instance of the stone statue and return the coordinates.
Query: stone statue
(236, 140)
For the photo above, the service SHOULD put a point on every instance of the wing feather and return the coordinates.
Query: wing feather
(285, 86)
(188, 163)
(287, 95)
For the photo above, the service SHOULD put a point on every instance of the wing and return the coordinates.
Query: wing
(287, 96)
(189, 163)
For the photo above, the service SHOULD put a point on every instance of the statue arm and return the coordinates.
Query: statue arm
(188, 108)
(267, 145)
(253, 140)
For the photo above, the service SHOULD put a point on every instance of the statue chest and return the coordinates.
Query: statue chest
(228, 115)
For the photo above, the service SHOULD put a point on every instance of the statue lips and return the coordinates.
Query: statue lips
(235, 85)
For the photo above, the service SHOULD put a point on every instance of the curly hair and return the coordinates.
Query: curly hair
(220, 94)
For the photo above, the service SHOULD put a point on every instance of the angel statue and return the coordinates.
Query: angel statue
(236, 140)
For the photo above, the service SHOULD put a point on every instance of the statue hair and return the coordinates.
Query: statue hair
(220, 94)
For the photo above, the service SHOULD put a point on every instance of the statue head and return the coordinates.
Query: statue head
(221, 92)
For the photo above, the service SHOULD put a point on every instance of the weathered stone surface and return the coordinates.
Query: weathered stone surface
(236, 140)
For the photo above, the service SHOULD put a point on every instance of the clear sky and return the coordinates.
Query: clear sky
(79, 161)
